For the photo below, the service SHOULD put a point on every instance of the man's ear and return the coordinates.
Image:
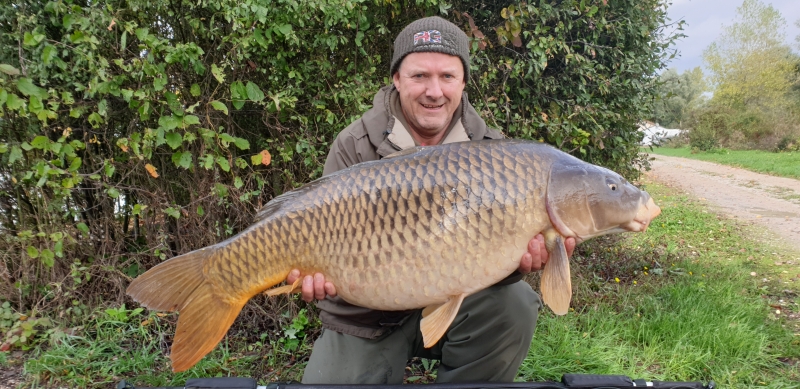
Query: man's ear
(396, 79)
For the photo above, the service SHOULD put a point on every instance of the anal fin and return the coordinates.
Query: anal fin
(437, 319)
(556, 281)
(286, 289)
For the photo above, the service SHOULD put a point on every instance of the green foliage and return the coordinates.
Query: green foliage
(679, 94)
(718, 126)
(21, 331)
(788, 144)
(121, 314)
(295, 333)
(131, 132)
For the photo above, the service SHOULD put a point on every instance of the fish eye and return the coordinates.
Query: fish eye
(612, 186)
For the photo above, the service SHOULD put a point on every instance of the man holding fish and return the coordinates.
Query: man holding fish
(420, 253)
(426, 105)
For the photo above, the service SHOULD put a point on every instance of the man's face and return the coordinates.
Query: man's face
(430, 86)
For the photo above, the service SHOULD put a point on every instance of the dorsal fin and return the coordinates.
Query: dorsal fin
(279, 202)
(274, 205)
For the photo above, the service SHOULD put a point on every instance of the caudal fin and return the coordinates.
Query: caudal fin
(205, 316)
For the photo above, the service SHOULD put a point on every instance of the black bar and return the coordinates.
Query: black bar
(569, 381)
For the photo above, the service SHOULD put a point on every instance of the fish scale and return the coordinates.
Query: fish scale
(420, 229)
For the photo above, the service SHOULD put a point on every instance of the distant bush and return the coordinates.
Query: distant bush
(717, 126)
(789, 144)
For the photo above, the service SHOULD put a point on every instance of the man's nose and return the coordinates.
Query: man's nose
(434, 90)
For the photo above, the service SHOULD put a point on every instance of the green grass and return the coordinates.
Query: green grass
(134, 347)
(675, 303)
(779, 164)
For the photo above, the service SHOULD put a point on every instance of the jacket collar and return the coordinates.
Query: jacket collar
(388, 135)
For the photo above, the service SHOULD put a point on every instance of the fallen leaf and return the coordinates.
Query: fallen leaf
(266, 158)
(113, 23)
(151, 170)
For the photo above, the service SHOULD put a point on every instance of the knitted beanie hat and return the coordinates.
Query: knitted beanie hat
(431, 34)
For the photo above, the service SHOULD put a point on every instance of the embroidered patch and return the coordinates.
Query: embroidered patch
(430, 36)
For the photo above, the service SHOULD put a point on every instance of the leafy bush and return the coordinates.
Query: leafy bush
(133, 131)
(789, 144)
(719, 126)
(21, 331)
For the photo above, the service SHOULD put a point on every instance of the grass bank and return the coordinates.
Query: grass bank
(695, 298)
(778, 164)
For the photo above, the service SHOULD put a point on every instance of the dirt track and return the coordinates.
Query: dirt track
(773, 202)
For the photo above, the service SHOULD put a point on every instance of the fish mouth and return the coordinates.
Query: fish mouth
(644, 215)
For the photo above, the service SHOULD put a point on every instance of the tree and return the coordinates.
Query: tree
(797, 38)
(678, 94)
(750, 65)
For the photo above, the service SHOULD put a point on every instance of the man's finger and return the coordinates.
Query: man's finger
(293, 276)
(538, 252)
(525, 265)
(319, 286)
(569, 245)
(330, 290)
(308, 289)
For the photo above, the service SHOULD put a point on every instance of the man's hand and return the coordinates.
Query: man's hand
(313, 287)
(537, 256)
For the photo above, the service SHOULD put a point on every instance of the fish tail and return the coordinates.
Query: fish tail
(180, 284)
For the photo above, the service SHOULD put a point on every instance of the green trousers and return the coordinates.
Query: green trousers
(487, 341)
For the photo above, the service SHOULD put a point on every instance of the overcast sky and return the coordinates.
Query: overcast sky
(704, 22)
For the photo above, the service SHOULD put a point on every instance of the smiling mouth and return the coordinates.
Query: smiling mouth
(429, 106)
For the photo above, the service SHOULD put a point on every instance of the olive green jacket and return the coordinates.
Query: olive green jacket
(380, 132)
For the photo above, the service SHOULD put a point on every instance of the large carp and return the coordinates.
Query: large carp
(424, 228)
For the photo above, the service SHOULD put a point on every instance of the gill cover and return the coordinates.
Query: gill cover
(585, 201)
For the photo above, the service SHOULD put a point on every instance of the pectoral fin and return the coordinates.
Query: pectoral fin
(286, 289)
(556, 280)
(437, 319)
(430, 309)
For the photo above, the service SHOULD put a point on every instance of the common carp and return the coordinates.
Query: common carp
(423, 228)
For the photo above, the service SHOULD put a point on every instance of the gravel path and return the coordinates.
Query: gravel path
(773, 202)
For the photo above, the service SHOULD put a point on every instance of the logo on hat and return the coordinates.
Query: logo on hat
(430, 36)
